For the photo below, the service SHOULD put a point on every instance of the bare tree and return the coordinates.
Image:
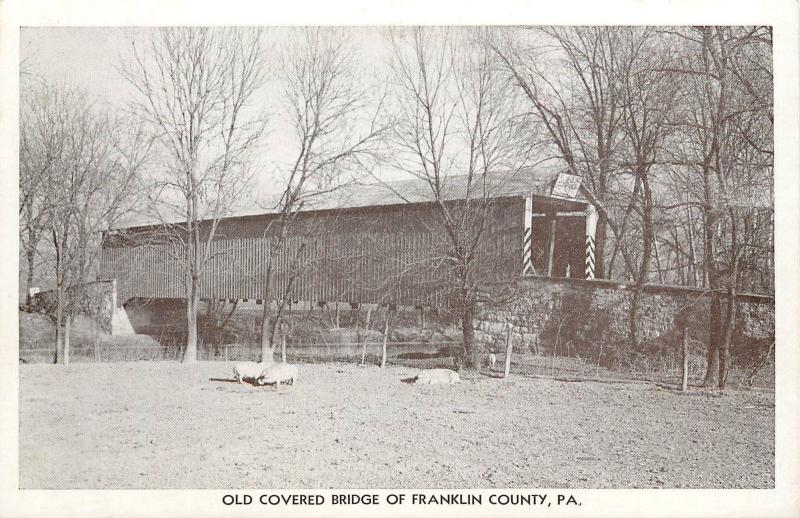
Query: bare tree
(196, 90)
(78, 174)
(44, 114)
(642, 70)
(567, 74)
(727, 152)
(338, 137)
(455, 124)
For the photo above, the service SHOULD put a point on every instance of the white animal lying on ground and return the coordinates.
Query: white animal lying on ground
(278, 373)
(437, 377)
(249, 370)
(492, 360)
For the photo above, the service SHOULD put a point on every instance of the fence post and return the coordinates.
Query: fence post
(226, 353)
(508, 350)
(66, 340)
(366, 336)
(283, 346)
(685, 359)
(385, 337)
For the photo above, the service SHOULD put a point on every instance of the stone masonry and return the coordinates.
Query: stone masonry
(588, 314)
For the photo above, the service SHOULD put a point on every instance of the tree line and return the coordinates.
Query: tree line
(669, 128)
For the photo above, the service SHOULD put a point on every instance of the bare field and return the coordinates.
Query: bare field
(168, 425)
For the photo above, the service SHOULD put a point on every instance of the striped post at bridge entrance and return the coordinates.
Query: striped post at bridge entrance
(527, 238)
(591, 227)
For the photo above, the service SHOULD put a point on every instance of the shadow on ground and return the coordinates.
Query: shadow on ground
(233, 380)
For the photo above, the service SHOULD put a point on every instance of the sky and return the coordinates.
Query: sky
(90, 58)
(86, 57)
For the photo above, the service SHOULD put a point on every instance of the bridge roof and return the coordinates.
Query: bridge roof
(536, 181)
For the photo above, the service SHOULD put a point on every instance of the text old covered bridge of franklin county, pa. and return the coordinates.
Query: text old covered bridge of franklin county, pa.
(368, 243)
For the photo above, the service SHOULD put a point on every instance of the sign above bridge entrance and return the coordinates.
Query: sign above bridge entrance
(566, 186)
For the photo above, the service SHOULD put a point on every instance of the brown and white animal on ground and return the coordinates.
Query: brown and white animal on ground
(437, 377)
(249, 370)
(492, 360)
(278, 373)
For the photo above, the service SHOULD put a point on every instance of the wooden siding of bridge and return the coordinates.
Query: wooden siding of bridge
(390, 254)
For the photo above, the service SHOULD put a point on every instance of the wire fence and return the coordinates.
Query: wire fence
(369, 352)
(524, 362)
(104, 353)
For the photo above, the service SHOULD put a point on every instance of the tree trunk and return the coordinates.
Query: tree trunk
(723, 367)
(66, 339)
(283, 347)
(724, 346)
(644, 265)
(267, 351)
(473, 359)
(190, 354)
(30, 257)
(692, 253)
(59, 320)
(600, 246)
(267, 325)
(713, 341)
(633, 318)
(709, 256)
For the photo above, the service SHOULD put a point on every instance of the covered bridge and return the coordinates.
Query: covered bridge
(369, 243)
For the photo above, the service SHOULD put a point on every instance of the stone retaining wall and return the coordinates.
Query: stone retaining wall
(97, 300)
(586, 314)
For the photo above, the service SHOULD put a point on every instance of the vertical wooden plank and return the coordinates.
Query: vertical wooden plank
(223, 267)
(226, 266)
(268, 255)
(242, 272)
(210, 284)
(250, 278)
(228, 263)
(151, 270)
(260, 265)
(216, 273)
(326, 278)
(258, 286)
(552, 244)
(235, 259)
(236, 278)
(279, 253)
(256, 269)
(336, 274)
(148, 252)
(238, 272)
(300, 265)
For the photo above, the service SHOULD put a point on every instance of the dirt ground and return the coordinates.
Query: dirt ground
(168, 425)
